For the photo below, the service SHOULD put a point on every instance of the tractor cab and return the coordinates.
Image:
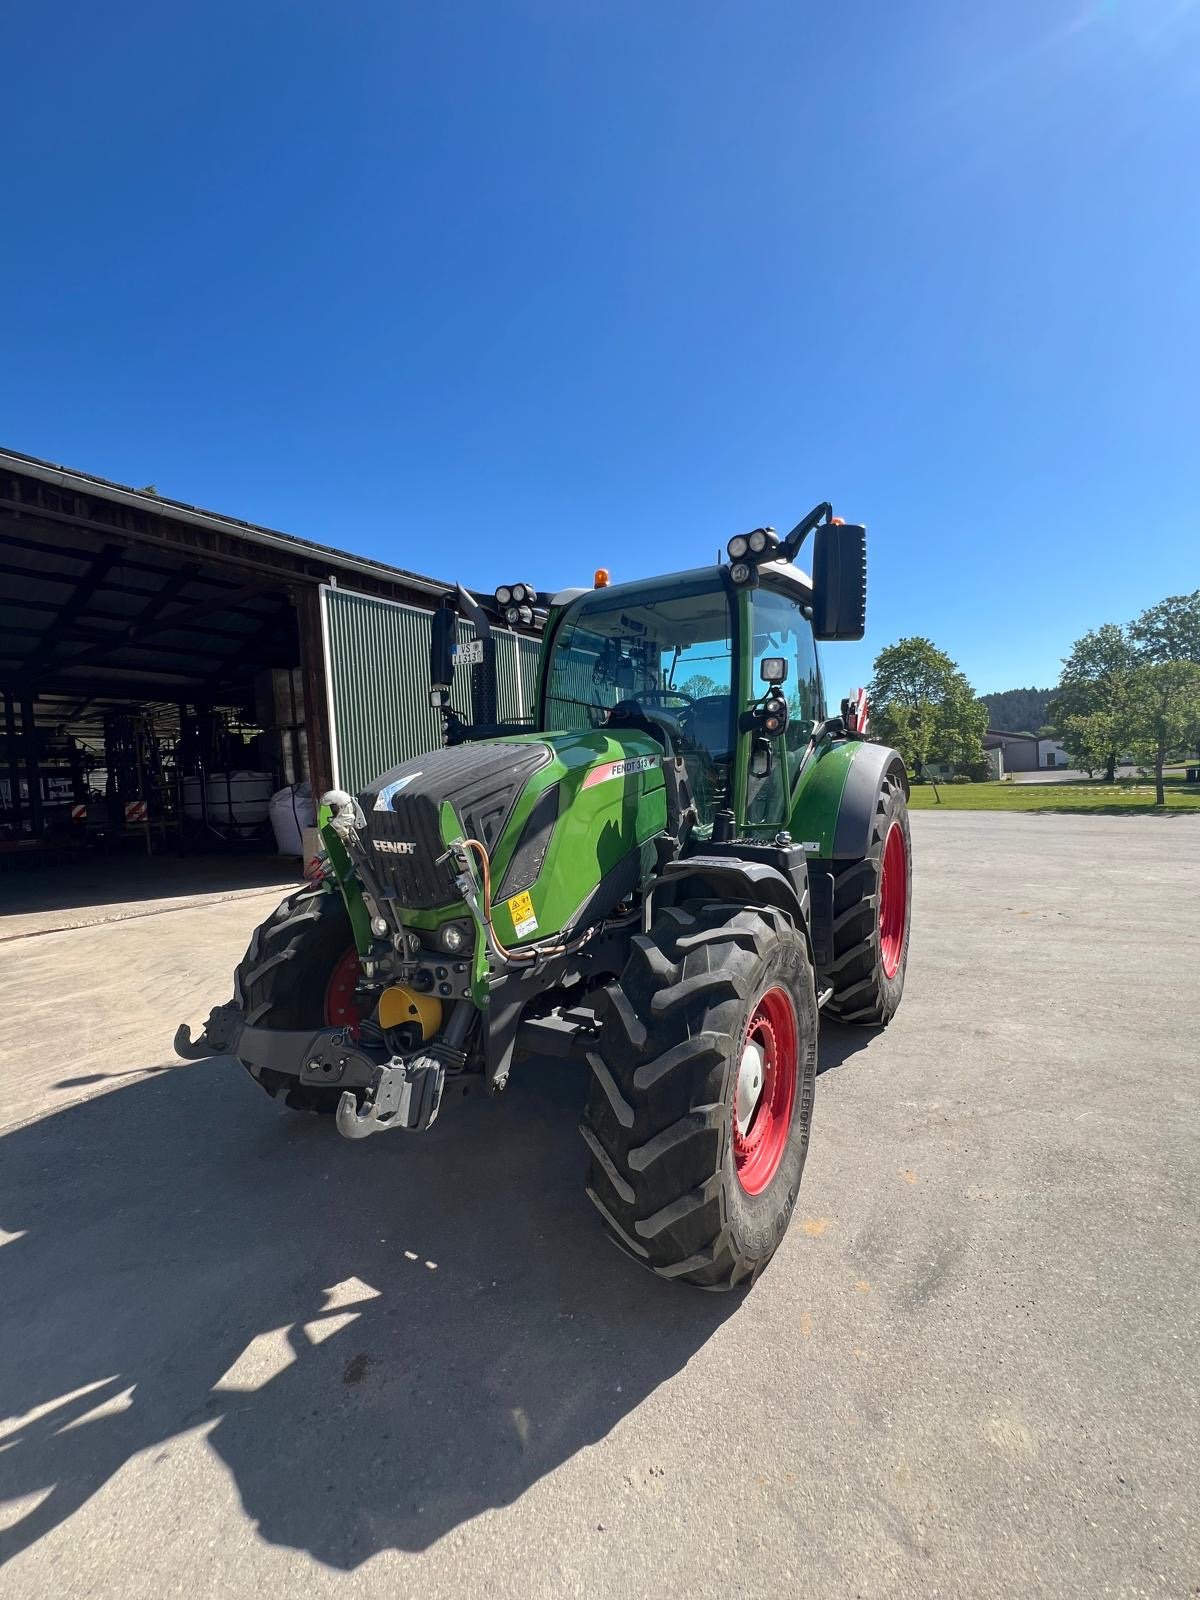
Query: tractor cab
(683, 659)
(718, 664)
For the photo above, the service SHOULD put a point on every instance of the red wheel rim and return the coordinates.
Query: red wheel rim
(893, 900)
(340, 1008)
(771, 1047)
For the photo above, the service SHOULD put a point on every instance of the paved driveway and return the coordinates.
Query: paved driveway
(243, 1357)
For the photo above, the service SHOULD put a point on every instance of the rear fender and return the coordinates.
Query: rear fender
(856, 814)
(835, 800)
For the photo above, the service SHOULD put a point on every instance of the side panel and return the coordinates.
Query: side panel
(611, 800)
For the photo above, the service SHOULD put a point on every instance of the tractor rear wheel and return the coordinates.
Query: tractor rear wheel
(300, 972)
(701, 1094)
(872, 902)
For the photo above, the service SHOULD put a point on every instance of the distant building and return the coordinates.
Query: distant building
(1021, 752)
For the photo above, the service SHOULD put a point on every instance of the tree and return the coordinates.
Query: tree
(700, 684)
(1018, 710)
(1088, 709)
(1169, 631)
(1163, 714)
(922, 704)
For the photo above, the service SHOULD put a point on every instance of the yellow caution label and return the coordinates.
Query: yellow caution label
(520, 909)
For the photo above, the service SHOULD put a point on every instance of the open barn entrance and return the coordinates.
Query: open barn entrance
(162, 669)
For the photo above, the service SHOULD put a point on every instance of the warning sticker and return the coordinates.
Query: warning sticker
(520, 909)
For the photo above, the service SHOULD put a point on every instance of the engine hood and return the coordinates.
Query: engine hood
(585, 790)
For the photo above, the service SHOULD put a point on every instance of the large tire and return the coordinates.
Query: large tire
(298, 973)
(672, 1177)
(872, 904)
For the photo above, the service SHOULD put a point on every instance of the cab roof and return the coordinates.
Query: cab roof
(786, 576)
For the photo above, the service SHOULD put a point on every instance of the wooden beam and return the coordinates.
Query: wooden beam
(137, 631)
(86, 585)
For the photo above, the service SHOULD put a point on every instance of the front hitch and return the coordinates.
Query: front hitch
(404, 1094)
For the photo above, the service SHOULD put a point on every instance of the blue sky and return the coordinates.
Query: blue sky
(516, 289)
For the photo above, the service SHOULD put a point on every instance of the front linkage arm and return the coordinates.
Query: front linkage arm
(322, 1056)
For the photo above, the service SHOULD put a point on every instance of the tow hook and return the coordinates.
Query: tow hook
(405, 1095)
(217, 1037)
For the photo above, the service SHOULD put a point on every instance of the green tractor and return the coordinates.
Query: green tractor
(668, 872)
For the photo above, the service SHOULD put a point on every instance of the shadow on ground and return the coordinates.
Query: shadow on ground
(96, 881)
(383, 1339)
(839, 1042)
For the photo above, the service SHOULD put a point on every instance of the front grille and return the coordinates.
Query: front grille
(413, 877)
(481, 782)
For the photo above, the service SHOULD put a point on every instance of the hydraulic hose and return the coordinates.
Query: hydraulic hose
(533, 952)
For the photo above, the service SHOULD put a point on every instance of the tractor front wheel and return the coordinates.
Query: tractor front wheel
(300, 972)
(700, 1100)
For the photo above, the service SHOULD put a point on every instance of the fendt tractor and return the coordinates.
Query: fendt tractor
(668, 871)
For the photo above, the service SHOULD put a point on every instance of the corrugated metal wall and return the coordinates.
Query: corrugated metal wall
(377, 672)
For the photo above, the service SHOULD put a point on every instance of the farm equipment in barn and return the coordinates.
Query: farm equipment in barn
(670, 875)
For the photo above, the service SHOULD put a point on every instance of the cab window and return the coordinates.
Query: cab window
(668, 656)
(780, 628)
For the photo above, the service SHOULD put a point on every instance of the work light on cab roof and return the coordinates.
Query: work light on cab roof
(515, 603)
(665, 871)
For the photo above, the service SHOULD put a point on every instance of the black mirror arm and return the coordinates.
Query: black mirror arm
(789, 548)
(474, 613)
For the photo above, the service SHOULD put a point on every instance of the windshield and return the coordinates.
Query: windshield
(671, 656)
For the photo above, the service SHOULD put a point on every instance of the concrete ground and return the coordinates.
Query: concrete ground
(244, 1357)
(1052, 775)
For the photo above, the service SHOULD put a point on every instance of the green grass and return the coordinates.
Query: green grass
(1124, 798)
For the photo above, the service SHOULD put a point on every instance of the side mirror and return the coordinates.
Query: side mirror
(839, 578)
(443, 637)
(773, 669)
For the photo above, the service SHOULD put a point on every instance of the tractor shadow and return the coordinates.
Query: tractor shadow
(379, 1340)
(839, 1042)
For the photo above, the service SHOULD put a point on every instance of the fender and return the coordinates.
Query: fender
(754, 883)
(834, 804)
(856, 814)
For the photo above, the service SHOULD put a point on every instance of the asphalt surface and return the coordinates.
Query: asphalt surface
(241, 1356)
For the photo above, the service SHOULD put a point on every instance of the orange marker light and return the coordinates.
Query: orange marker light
(600, 581)
(838, 521)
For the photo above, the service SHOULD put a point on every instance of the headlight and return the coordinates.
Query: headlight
(453, 938)
(379, 927)
(512, 615)
(758, 541)
(737, 548)
(740, 572)
(503, 595)
(518, 592)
